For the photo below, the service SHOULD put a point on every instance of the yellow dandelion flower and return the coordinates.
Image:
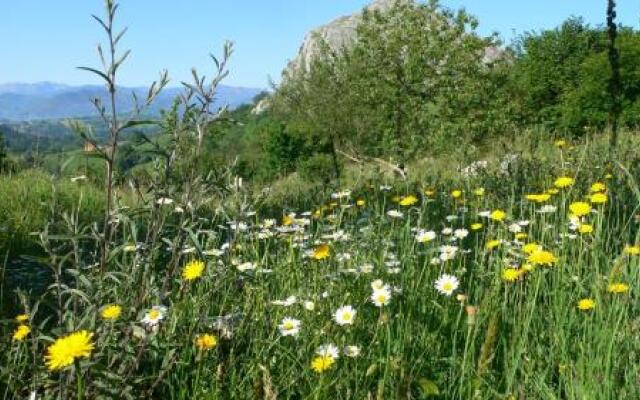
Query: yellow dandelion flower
(586, 304)
(287, 220)
(456, 194)
(530, 248)
(321, 252)
(599, 198)
(521, 236)
(193, 270)
(542, 257)
(429, 192)
(492, 244)
(538, 198)
(511, 274)
(585, 229)
(580, 208)
(618, 288)
(206, 342)
(560, 143)
(64, 351)
(479, 192)
(632, 250)
(360, 203)
(322, 363)
(563, 182)
(21, 332)
(111, 312)
(408, 201)
(22, 318)
(498, 215)
(476, 226)
(598, 187)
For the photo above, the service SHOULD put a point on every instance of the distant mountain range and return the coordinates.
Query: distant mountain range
(48, 100)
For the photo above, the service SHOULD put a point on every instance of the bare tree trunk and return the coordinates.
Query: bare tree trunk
(614, 81)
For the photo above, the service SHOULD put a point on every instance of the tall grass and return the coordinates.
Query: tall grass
(491, 338)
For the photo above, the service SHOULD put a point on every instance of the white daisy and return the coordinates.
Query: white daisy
(447, 284)
(289, 327)
(153, 317)
(345, 315)
(238, 226)
(547, 209)
(352, 351)
(378, 284)
(247, 266)
(425, 236)
(328, 350)
(395, 214)
(381, 297)
(461, 233)
(515, 228)
(448, 252)
(288, 302)
(341, 195)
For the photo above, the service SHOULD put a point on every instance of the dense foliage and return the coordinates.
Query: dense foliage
(416, 77)
(560, 77)
(419, 78)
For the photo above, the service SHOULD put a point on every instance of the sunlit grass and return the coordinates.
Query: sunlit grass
(390, 289)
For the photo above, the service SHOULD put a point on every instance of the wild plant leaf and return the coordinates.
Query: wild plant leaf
(99, 73)
(428, 387)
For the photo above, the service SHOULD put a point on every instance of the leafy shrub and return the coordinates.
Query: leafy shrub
(317, 168)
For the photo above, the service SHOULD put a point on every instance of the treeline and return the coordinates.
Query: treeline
(420, 79)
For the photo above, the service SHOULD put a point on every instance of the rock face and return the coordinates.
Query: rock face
(337, 34)
(261, 106)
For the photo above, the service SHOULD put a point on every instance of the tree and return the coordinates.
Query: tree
(547, 65)
(415, 77)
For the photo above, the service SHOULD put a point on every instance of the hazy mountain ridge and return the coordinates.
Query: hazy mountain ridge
(48, 100)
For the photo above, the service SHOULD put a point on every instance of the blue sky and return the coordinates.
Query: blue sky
(45, 39)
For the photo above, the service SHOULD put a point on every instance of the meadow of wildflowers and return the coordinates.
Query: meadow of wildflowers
(480, 288)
